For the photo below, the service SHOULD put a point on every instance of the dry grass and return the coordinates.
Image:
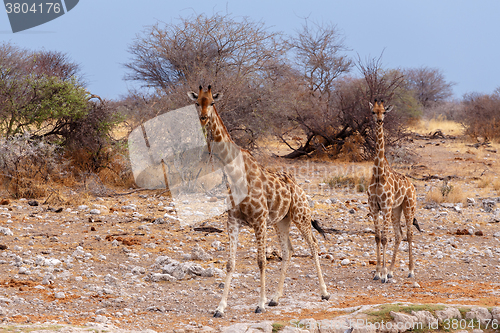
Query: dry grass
(447, 193)
(448, 127)
(496, 184)
(485, 182)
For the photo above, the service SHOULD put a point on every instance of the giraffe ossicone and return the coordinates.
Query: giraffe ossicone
(270, 199)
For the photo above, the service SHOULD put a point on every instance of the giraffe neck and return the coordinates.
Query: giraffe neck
(379, 167)
(221, 143)
(232, 157)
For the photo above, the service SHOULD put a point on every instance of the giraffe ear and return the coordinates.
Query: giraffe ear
(217, 96)
(371, 105)
(192, 95)
(388, 109)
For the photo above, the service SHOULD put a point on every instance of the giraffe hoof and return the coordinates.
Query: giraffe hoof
(325, 297)
(384, 280)
(259, 310)
(273, 303)
(389, 276)
(411, 275)
(376, 277)
(218, 314)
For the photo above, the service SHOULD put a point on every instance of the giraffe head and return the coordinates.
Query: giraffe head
(379, 111)
(205, 101)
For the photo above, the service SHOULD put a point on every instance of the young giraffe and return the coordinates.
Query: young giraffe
(391, 194)
(270, 199)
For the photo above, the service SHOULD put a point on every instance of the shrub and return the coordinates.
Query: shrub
(27, 166)
(446, 193)
(481, 115)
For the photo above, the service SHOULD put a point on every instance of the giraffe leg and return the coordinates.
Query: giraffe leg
(233, 226)
(378, 238)
(261, 234)
(283, 231)
(304, 225)
(409, 213)
(386, 215)
(396, 223)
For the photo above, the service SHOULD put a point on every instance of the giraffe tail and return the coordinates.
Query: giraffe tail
(415, 223)
(316, 226)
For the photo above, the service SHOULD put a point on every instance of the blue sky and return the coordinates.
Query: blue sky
(459, 37)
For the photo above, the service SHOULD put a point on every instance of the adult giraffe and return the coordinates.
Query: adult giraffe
(268, 199)
(390, 194)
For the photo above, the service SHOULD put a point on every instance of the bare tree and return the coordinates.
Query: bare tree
(239, 58)
(317, 49)
(58, 64)
(341, 124)
(429, 85)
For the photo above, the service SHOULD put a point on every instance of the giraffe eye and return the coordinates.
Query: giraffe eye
(211, 104)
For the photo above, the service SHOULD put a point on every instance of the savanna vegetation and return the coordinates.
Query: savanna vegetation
(302, 90)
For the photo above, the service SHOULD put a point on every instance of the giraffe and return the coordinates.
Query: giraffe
(390, 194)
(272, 199)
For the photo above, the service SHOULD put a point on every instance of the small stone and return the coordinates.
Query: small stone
(24, 270)
(345, 262)
(33, 203)
(59, 295)
(415, 285)
(95, 211)
(6, 231)
(100, 319)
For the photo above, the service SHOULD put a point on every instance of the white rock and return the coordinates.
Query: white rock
(426, 318)
(138, 270)
(100, 319)
(448, 313)
(95, 211)
(59, 295)
(171, 217)
(24, 270)
(345, 262)
(6, 231)
(495, 312)
(83, 207)
(479, 313)
(52, 262)
(157, 277)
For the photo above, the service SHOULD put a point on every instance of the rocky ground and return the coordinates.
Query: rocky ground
(127, 263)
